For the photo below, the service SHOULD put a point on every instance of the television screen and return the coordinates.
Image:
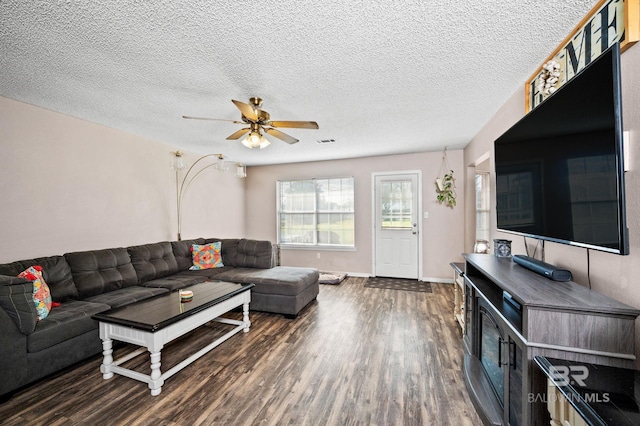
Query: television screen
(560, 171)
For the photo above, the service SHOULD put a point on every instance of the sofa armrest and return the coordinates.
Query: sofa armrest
(13, 356)
(16, 299)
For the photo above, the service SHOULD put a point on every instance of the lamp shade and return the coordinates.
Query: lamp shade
(177, 162)
(264, 142)
(252, 141)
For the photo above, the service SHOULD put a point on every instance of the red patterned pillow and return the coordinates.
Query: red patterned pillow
(41, 293)
(206, 256)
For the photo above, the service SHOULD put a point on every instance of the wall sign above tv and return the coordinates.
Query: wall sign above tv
(609, 22)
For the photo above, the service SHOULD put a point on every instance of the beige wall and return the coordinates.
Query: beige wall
(442, 232)
(615, 276)
(67, 185)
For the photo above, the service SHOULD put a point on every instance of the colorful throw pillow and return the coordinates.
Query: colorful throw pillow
(41, 293)
(206, 256)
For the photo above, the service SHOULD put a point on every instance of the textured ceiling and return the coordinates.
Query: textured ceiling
(379, 77)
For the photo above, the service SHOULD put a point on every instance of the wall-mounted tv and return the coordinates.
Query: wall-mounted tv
(560, 169)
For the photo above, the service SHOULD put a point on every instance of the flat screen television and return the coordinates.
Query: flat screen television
(560, 169)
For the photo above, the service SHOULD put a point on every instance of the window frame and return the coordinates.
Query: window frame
(316, 212)
(485, 191)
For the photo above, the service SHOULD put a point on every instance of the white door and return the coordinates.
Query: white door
(396, 225)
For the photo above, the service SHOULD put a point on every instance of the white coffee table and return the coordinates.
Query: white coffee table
(154, 322)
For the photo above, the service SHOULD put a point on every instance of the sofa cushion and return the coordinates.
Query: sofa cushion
(254, 254)
(153, 261)
(56, 273)
(126, 296)
(284, 280)
(16, 298)
(182, 252)
(206, 274)
(229, 249)
(11, 269)
(206, 256)
(175, 282)
(100, 271)
(69, 320)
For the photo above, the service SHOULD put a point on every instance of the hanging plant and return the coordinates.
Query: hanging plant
(446, 184)
(446, 192)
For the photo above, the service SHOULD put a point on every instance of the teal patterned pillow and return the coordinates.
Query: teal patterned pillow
(206, 256)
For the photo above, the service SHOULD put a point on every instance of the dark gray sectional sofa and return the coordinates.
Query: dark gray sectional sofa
(89, 282)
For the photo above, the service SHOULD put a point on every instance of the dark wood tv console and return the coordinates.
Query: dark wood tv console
(512, 315)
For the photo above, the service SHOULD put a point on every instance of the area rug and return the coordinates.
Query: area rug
(398, 284)
(331, 277)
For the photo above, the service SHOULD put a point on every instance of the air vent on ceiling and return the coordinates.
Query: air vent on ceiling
(321, 141)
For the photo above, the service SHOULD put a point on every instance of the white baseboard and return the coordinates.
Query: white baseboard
(358, 274)
(425, 279)
(438, 280)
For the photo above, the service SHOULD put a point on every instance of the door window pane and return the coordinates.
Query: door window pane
(396, 203)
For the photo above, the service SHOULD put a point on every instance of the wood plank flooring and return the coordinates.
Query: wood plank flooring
(356, 356)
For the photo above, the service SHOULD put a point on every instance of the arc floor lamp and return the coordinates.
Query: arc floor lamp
(219, 163)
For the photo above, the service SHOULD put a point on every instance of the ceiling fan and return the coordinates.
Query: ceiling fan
(259, 121)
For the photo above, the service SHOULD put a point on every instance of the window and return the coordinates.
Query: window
(482, 206)
(316, 212)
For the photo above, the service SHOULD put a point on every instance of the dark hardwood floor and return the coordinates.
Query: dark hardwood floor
(356, 356)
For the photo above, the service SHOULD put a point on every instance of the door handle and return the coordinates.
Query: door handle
(500, 343)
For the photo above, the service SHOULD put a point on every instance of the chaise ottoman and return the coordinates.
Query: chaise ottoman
(282, 289)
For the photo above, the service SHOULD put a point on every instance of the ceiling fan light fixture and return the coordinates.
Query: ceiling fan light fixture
(247, 142)
(264, 142)
(255, 140)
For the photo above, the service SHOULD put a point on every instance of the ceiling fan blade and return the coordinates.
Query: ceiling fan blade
(246, 110)
(240, 133)
(295, 124)
(282, 136)
(188, 117)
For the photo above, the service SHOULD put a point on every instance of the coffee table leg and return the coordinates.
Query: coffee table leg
(107, 353)
(156, 382)
(245, 317)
